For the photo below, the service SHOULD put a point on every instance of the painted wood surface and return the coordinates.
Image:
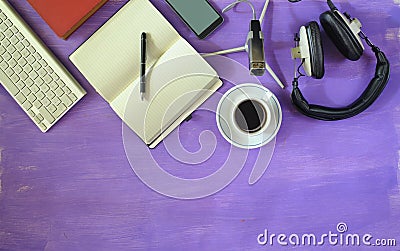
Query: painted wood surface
(73, 188)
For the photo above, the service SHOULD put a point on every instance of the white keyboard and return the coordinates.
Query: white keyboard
(32, 74)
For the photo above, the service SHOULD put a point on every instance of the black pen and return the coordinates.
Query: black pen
(143, 66)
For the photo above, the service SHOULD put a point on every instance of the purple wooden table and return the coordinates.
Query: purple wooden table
(73, 188)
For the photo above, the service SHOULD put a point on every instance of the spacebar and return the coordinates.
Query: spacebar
(8, 84)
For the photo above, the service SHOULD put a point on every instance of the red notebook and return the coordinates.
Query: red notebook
(65, 16)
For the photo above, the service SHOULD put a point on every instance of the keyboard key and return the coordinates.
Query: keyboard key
(43, 62)
(2, 17)
(40, 95)
(2, 36)
(53, 85)
(10, 72)
(29, 82)
(19, 46)
(36, 66)
(31, 113)
(72, 97)
(51, 108)
(25, 91)
(12, 62)
(20, 85)
(66, 100)
(31, 97)
(40, 117)
(47, 116)
(25, 53)
(37, 56)
(28, 68)
(14, 40)
(31, 49)
(66, 90)
(12, 89)
(49, 69)
(22, 62)
(33, 75)
(59, 92)
(37, 119)
(39, 81)
(37, 104)
(11, 49)
(56, 101)
(14, 30)
(8, 23)
(18, 69)
(6, 42)
(8, 33)
(46, 102)
(50, 94)
(44, 88)
(47, 79)
(16, 55)
(60, 83)
(30, 59)
(42, 72)
(23, 76)
(27, 105)
(14, 77)
(2, 49)
(25, 42)
(3, 27)
(20, 36)
(60, 109)
(6, 56)
(20, 97)
(34, 88)
(43, 127)
(3, 65)
(54, 76)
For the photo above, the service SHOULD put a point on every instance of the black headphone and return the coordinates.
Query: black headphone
(345, 32)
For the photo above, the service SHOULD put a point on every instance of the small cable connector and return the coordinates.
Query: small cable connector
(255, 47)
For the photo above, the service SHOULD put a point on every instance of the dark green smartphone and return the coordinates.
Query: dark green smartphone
(201, 17)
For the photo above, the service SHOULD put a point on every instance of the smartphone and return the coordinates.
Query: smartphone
(199, 15)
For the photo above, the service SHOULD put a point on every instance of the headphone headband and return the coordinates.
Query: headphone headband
(370, 94)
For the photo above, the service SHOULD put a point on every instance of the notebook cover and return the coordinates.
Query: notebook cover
(65, 16)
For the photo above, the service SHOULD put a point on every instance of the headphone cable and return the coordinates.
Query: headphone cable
(230, 6)
(330, 4)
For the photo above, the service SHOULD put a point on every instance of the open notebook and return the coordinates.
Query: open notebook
(178, 81)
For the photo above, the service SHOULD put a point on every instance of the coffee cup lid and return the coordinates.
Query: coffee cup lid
(226, 113)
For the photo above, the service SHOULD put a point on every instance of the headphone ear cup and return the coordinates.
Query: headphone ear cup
(341, 35)
(316, 50)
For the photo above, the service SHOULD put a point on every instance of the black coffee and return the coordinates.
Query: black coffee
(250, 116)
